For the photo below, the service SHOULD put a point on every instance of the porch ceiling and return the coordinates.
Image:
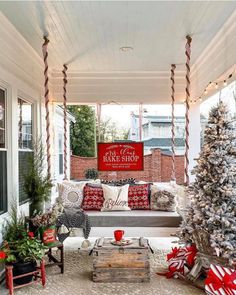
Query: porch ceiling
(87, 35)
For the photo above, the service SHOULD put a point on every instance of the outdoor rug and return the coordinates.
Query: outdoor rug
(77, 280)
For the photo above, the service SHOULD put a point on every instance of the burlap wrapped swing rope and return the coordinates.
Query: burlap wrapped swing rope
(187, 91)
(65, 81)
(47, 101)
(173, 178)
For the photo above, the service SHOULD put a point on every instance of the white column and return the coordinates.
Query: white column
(194, 137)
(13, 149)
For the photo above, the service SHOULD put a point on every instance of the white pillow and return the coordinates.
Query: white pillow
(162, 198)
(70, 194)
(115, 198)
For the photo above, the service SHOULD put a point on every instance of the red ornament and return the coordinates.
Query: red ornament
(30, 234)
(2, 255)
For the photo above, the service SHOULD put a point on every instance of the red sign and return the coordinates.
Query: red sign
(125, 156)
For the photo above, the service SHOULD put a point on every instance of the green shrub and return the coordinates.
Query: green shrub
(91, 173)
(37, 185)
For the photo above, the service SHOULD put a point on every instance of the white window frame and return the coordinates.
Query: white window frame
(32, 102)
(6, 89)
(21, 95)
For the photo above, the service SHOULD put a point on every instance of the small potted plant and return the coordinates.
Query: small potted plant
(46, 224)
(37, 184)
(91, 173)
(20, 248)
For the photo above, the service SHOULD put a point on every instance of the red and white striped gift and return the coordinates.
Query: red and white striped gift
(177, 261)
(220, 281)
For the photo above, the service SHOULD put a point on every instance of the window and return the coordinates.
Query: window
(60, 152)
(25, 141)
(3, 153)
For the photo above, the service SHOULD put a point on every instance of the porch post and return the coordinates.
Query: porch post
(194, 137)
(140, 121)
(13, 155)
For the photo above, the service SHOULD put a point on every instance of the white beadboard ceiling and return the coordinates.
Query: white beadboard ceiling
(87, 36)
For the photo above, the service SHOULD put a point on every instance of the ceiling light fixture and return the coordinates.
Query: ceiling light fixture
(126, 48)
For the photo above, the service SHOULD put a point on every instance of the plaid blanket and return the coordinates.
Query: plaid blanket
(73, 218)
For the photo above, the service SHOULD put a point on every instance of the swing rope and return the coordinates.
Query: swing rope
(65, 81)
(173, 177)
(187, 90)
(46, 98)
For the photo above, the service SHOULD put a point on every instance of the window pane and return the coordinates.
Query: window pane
(2, 118)
(60, 164)
(25, 124)
(23, 166)
(3, 181)
(60, 152)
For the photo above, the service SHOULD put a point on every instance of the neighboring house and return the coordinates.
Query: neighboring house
(164, 144)
(156, 132)
(59, 143)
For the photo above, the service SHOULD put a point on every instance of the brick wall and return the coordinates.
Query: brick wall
(166, 166)
(157, 167)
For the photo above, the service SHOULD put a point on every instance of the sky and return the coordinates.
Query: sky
(121, 113)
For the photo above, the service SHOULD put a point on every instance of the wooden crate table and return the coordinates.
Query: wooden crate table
(113, 263)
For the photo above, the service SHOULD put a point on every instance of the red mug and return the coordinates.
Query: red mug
(118, 234)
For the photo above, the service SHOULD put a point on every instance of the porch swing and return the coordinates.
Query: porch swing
(163, 221)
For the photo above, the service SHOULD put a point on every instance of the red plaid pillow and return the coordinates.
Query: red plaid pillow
(138, 196)
(93, 198)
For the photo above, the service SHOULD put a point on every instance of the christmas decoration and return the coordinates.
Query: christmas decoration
(180, 260)
(213, 194)
(220, 281)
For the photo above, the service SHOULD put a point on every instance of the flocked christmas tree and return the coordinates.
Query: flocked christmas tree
(213, 194)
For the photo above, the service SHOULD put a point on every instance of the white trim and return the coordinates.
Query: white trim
(59, 109)
(32, 102)
(215, 43)
(4, 88)
(13, 43)
(8, 149)
(218, 56)
(14, 176)
(25, 150)
(73, 75)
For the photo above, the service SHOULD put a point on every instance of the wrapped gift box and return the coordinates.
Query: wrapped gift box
(220, 281)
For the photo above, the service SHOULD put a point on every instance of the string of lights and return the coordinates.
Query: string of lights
(214, 85)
